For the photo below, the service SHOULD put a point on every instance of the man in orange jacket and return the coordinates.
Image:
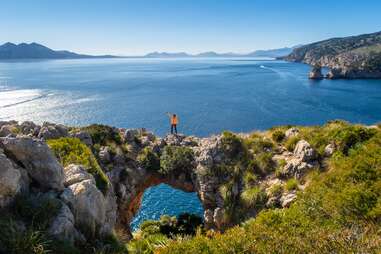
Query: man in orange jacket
(174, 121)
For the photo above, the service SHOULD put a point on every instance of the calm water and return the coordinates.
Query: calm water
(209, 95)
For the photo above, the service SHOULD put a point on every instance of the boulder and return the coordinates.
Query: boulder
(105, 154)
(53, 131)
(304, 151)
(6, 130)
(29, 128)
(62, 227)
(292, 132)
(10, 180)
(287, 199)
(37, 159)
(208, 217)
(130, 135)
(88, 206)
(84, 136)
(329, 150)
(295, 167)
(75, 174)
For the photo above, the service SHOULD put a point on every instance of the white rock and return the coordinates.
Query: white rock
(75, 174)
(304, 151)
(10, 180)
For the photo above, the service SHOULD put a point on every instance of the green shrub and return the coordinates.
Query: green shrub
(249, 179)
(258, 144)
(176, 159)
(254, 197)
(292, 184)
(149, 160)
(276, 190)
(263, 163)
(103, 134)
(232, 146)
(291, 143)
(73, 151)
(278, 136)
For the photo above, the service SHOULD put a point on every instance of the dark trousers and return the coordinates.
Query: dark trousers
(173, 127)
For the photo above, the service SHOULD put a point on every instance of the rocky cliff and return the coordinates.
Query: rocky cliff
(93, 177)
(349, 57)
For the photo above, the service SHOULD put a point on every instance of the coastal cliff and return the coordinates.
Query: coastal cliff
(78, 188)
(354, 57)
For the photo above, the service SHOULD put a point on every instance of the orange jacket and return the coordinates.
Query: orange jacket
(174, 120)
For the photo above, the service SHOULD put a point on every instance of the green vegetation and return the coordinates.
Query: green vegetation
(73, 151)
(339, 212)
(253, 198)
(291, 143)
(292, 184)
(149, 160)
(157, 234)
(176, 159)
(103, 134)
(278, 136)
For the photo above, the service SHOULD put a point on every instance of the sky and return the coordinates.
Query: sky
(136, 27)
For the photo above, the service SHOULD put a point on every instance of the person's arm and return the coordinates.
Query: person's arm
(169, 114)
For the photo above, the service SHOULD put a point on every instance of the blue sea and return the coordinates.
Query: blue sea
(209, 95)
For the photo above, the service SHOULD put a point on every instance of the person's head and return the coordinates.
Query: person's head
(174, 115)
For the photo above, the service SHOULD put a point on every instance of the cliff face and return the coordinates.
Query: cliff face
(97, 174)
(350, 57)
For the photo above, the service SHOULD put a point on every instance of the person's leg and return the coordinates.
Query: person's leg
(176, 128)
(171, 128)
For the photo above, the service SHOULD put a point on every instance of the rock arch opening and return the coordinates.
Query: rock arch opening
(163, 199)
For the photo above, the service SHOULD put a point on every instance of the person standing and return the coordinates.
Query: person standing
(174, 120)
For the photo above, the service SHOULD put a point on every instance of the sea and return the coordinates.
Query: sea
(209, 95)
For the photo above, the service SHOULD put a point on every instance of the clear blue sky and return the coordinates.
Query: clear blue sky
(132, 27)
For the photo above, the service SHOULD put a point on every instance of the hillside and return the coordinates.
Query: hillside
(37, 51)
(348, 57)
(290, 189)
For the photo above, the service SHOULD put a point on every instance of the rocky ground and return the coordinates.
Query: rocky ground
(220, 168)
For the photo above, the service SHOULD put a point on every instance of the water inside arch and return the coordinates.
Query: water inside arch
(163, 199)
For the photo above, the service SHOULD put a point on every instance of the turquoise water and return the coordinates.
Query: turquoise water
(209, 95)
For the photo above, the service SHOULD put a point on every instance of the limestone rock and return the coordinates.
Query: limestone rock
(218, 217)
(29, 128)
(6, 130)
(105, 154)
(304, 151)
(316, 73)
(63, 227)
(329, 150)
(53, 131)
(75, 174)
(130, 135)
(10, 180)
(296, 167)
(88, 206)
(292, 132)
(38, 160)
(287, 199)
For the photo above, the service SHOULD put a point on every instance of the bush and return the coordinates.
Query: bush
(73, 151)
(176, 159)
(36, 210)
(278, 136)
(149, 160)
(103, 134)
(263, 163)
(253, 198)
(292, 184)
(276, 190)
(232, 146)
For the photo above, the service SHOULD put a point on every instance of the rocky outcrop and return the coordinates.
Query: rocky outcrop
(349, 57)
(28, 165)
(316, 73)
(38, 160)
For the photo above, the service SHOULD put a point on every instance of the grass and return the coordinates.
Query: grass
(292, 184)
(103, 134)
(73, 151)
(149, 160)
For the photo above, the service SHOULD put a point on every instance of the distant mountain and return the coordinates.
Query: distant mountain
(272, 53)
(348, 57)
(167, 55)
(38, 51)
